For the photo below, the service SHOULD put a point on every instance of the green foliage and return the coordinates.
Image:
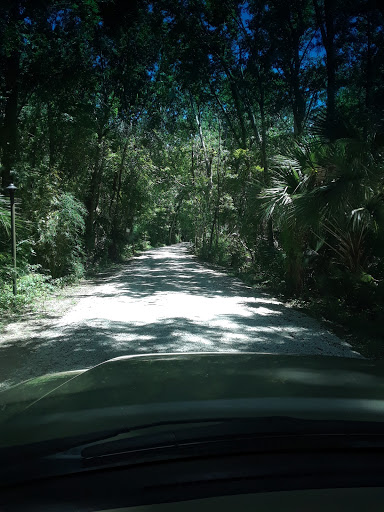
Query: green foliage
(33, 289)
(5, 219)
(58, 245)
(230, 125)
(327, 194)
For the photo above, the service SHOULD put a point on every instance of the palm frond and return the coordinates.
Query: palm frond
(5, 220)
(375, 207)
(348, 244)
(327, 130)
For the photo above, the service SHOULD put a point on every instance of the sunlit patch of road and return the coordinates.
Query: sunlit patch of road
(163, 301)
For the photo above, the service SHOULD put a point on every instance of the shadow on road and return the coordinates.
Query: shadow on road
(164, 301)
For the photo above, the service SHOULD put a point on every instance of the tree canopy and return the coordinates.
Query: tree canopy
(253, 129)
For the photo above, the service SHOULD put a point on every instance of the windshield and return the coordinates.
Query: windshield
(191, 213)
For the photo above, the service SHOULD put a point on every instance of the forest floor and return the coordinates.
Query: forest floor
(163, 300)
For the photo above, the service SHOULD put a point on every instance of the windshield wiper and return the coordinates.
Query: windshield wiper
(186, 440)
(265, 434)
(52, 446)
(104, 442)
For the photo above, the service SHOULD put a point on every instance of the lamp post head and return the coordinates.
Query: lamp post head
(11, 189)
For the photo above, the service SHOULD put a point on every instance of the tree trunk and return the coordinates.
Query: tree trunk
(193, 164)
(212, 232)
(207, 161)
(331, 59)
(51, 136)
(238, 105)
(117, 178)
(369, 76)
(327, 29)
(252, 120)
(113, 249)
(240, 114)
(298, 98)
(269, 226)
(227, 118)
(264, 159)
(9, 128)
(92, 199)
(172, 227)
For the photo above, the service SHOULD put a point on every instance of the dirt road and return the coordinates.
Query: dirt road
(161, 301)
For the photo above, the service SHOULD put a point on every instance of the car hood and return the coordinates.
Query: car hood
(135, 390)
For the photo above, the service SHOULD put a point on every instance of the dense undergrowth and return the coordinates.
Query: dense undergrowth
(35, 287)
(351, 308)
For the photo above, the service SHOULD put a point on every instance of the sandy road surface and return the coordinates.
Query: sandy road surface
(162, 301)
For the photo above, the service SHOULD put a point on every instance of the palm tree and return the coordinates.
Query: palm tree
(330, 194)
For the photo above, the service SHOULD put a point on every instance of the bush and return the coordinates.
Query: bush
(59, 248)
(143, 244)
(31, 287)
(227, 251)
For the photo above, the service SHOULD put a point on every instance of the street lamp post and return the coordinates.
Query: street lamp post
(11, 188)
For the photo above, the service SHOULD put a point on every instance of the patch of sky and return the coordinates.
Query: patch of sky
(57, 18)
(208, 25)
(28, 20)
(150, 8)
(151, 73)
(319, 103)
(167, 18)
(246, 17)
(317, 49)
(276, 70)
(99, 61)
